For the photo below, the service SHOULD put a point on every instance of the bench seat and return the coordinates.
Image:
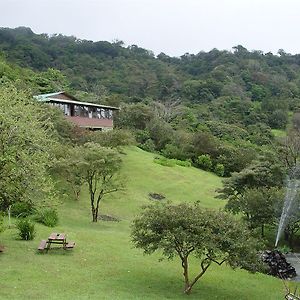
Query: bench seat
(70, 245)
(42, 245)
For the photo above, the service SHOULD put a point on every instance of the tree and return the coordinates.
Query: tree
(184, 230)
(100, 167)
(265, 172)
(67, 168)
(259, 206)
(25, 150)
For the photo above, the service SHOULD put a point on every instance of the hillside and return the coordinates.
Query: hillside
(104, 265)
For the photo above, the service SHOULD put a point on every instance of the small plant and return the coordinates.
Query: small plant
(26, 229)
(219, 170)
(48, 217)
(284, 249)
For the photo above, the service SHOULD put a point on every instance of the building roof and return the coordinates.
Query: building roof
(51, 98)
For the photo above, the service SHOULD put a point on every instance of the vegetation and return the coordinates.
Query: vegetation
(26, 229)
(184, 230)
(129, 274)
(234, 113)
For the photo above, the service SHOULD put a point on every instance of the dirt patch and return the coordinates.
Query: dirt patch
(156, 196)
(1, 248)
(108, 218)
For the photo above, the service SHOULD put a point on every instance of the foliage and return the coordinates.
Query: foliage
(66, 168)
(219, 169)
(262, 173)
(112, 138)
(100, 167)
(183, 230)
(204, 162)
(25, 149)
(22, 209)
(172, 162)
(26, 229)
(259, 206)
(47, 216)
(164, 161)
(1, 223)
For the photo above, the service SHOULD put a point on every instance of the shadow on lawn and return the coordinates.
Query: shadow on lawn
(157, 286)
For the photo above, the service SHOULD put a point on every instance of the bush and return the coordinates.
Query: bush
(48, 217)
(182, 163)
(172, 162)
(148, 146)
(26, 229)
(219, 170)
(21, 209)
(164, 161)
(204, 162)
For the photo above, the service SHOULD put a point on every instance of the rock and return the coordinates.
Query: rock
(278, 266)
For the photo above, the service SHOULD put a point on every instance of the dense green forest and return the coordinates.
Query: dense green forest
(220, 104)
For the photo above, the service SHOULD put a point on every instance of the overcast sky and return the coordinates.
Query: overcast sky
(170, 26)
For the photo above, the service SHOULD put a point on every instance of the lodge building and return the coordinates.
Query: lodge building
(83, 114)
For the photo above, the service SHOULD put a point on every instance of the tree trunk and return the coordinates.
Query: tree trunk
(185, 265)
(94, 214)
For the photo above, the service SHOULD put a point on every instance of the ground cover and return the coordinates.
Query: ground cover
(104, 265)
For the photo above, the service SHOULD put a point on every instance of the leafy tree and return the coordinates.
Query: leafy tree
(25, 150)
(67, 168)
(259, 206)
(100, 167)
(260, 174)
(184, 230)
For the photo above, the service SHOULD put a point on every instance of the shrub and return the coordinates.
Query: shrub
(204, 162)
(21, 209)
(26, 229)
(148, 146)
(182, 163)
(164, 161)
(219, 170)
(48, 217)
(172, 162)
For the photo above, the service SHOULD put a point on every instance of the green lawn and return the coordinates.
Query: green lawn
(104, 265)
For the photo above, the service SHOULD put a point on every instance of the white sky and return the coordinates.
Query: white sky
(170, 26)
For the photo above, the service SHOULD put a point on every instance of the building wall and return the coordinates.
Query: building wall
(91, 123)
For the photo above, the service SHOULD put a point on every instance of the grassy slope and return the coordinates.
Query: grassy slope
(104, 265)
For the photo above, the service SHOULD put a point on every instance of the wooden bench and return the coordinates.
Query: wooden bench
(70, 245)
(42, 245)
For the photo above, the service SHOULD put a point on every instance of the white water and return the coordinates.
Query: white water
(292, 186)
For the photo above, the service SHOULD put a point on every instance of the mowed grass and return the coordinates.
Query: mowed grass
(104, 264)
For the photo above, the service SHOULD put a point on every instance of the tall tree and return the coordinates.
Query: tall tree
(100, 167)
(25, 149)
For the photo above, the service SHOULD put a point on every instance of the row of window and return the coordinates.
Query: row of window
(84, 111)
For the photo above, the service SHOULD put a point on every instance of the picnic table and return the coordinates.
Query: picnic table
(56, 238)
